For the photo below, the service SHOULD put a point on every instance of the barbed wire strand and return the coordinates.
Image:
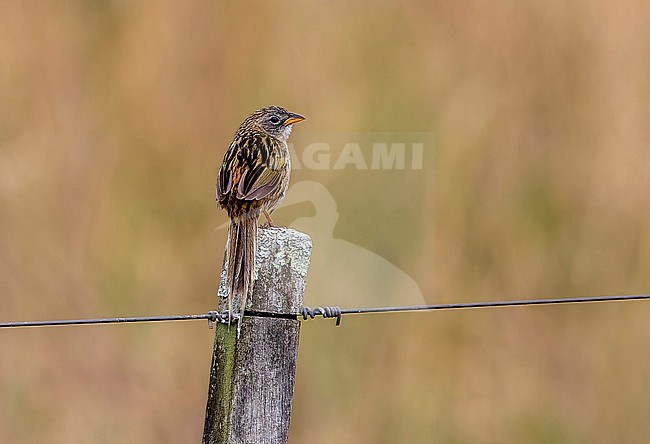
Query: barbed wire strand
(327, 312)
(336, 312)
(211, 317)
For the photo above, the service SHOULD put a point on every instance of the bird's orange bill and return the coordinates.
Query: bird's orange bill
(295, 118)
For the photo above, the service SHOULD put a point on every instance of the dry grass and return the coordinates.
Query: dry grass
(113, 120)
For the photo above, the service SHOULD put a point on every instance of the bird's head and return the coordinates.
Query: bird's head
(274, 120)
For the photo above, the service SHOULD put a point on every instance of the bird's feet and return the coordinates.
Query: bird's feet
(269, 222)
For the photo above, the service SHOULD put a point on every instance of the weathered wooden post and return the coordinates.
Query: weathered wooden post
(252, 378)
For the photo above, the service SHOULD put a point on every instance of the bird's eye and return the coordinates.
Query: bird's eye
(274, 120)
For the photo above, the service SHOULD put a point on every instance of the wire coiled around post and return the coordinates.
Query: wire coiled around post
(325, 312)
(221, 318)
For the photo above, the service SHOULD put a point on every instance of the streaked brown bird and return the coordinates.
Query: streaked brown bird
(253, 179)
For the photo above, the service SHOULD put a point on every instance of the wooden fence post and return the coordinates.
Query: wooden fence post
(252, 378)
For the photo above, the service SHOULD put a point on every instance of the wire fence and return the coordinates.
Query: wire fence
(326, 312)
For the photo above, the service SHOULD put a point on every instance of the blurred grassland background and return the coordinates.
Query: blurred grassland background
(114, 116)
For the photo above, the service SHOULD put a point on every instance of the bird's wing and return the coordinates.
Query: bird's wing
(257, 183)
(227, 173)
(249, 169)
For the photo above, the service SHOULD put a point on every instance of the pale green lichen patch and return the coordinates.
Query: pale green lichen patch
(225, 340)
(281, 261)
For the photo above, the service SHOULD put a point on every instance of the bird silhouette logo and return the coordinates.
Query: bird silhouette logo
(341, 272)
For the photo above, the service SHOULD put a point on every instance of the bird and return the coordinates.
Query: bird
(252, 180)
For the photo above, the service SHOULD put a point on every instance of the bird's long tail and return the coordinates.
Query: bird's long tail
(242, 236)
